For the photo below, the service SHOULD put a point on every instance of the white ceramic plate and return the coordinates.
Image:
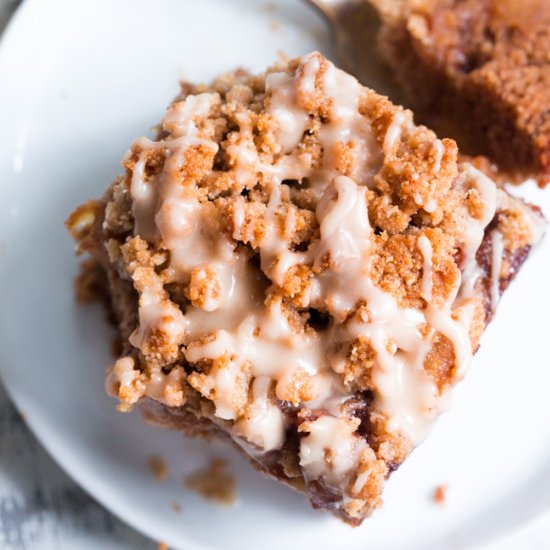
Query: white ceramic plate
(78, 81)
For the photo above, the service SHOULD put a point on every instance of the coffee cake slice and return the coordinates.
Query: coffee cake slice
(478, 70)
(295, 266)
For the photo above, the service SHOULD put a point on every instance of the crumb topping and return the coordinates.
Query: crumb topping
(298, 245)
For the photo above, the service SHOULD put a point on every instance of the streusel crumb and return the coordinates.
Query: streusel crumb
(158, 467)
(295, 265)
(213, 483)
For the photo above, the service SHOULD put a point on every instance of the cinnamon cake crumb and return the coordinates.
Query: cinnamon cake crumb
(158, 467)
(440, 494)
(176, 507)
(214, 483)
(275, 26)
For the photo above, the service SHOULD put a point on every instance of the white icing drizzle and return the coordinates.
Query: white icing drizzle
(361, 480)
(439, 152)
(266, 341)
(125, 378)
(181, 117)
(238, 217)
(347, 125)
(158, 383)
(334, 437)
(243, 155)
(276, 258)
(309, 69)
(157, 313)
(425, 247)
(263, 423)
(453, 321)
(430, 205)
(248, 336)
(244, 291)
(144, 195)
(281, 105)
(496, 263)
(405, 393)
(474, 230)
(344, 222)
(345, 231)
(180, 120)
(123, 372)
(394, 131)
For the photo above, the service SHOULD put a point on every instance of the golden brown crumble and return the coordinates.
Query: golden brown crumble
(158, 467)
(417, 196)
(214, 483)
(440, 494)
(176, 507)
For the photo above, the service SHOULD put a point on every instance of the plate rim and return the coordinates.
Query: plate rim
(15, 26)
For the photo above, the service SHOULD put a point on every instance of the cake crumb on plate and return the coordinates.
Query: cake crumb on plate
(176, 507)
(213, 483)
(158, 467)
(274, 26)
(440, 493)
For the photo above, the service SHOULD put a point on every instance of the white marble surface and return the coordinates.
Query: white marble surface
(42, 509)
